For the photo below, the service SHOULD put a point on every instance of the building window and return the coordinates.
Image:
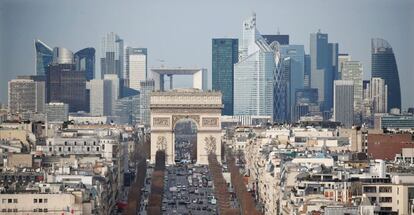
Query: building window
(45, 210)
(9, 210)
(9, 201)
(35, 210)
(60, 149)
(40, 210)
(385, 189)
(3, 210)
(50, 149)
(15, 210)
(45, 200)
(97, 148)
(88, 149)
(94, 143)
(68, 149)
(4, 201)
(84, 143)
(14, 200)
(40, 200)
(34, 200)
(370, 189)
(66, 143)
(385, 199)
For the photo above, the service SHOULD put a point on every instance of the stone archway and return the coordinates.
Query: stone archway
(204, 108)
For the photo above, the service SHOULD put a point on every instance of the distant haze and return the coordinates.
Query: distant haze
(179, 32)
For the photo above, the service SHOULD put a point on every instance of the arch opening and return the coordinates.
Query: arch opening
(185, 141)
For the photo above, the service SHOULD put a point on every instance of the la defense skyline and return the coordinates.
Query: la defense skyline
(321, 61)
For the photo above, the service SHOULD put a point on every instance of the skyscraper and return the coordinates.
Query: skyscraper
(22, 96)
(135, 67)
(294, 74)
(352, 70)
(384, 65)
(254, 73)
(112, 55)
(44, 56)
(65, 84)
(379, 95)
(324, 67)
(85, 61)
(146, 88)
(341, 59)
(307, 72)
(344, 102)
(224, 55)
(100, 100)
(113, 93)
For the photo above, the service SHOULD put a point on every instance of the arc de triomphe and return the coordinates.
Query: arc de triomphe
(204, 108)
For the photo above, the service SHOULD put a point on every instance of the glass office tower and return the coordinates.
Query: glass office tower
(224, 56)
(324, 68)
(44, 56)
(294, 56)
(254, 73)
(112, 58)
(85, 61)
(384, 66)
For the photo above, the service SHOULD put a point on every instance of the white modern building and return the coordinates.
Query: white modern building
(352, 70)
(57, 112)
(254, 73)
(344, 102)
(135, 66)
(114, 92)
(379, 95)
(199, 75)
(100, 103)
(26, 95)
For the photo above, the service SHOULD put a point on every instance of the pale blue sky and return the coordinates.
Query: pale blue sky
(180, 31)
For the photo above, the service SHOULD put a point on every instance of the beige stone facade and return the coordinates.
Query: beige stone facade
(203, 108)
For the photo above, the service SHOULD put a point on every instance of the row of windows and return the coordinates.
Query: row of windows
(4, 201)
(9, 210)
(39, 200)
(40, 210)
(69, 149)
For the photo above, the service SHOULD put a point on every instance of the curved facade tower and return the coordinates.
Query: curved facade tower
(85, 61)
(44, 56)
(384, 66)
(62, 56)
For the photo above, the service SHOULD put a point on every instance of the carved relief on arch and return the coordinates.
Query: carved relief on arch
(161, 122)
(210, 122)
(176, 118)
(210, 144)
(161, 143)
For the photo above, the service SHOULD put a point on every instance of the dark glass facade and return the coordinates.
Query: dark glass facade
(67, 85)
(224, 56)
(324, 68)
(85, 61)
(44, 56)
(282, 39)
(384, 66)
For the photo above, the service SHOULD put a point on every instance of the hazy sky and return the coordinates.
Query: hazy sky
(180, 31)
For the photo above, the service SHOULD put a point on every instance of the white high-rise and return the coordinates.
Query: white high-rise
(378, 94)
(114, 92)
(352, 70)
(99, 103)
(135, 66)
(254, 73)
(344, 102)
